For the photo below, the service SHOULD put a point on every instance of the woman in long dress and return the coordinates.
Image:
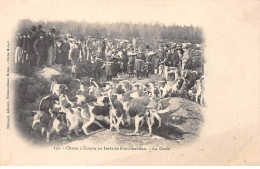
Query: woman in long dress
(19, 49)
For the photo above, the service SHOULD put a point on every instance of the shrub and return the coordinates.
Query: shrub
(24, 69)
(85, 69)
(29, 89)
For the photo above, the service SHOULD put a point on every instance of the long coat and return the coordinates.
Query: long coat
(175, 59)
(139, 62)
(65, 48)
(74, 55)
(185, 57)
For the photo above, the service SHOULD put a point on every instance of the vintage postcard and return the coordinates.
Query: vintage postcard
(143, 82)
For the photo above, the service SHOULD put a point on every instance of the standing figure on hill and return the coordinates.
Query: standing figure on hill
(40, 49)
(101, 49)
(161, 56)
(25, 55)
(82, 54)
(139, 63)
(89, 49)
(74, 54)
(134, 44)
(180, 54)
(108, 64)
(124, 60)
(131, 63)
(65, 48)
(19, 49)
(186, 56)
(50, 46)
(30, 50)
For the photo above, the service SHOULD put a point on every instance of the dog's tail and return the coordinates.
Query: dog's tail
(163, 111)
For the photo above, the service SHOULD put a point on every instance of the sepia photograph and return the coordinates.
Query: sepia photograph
(142, 84)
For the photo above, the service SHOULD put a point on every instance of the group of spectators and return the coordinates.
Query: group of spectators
(39, 48)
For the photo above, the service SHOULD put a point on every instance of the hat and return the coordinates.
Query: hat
(33, 28)
(52, 30)
(39, 26)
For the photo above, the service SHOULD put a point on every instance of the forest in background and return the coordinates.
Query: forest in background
(121, 30)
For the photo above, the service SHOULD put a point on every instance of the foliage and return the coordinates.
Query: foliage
(30, 89)
(120, 30)
(24, 69)
(85, 70)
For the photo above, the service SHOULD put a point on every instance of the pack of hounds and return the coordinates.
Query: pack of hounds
(118, 104)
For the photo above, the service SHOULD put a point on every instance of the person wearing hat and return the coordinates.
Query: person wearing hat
(50, 41)
(39, 31)
(30, 50)
(124, 60)
(109, 64)
(40, 49)
(185, 56)
(19, 49)
(89, 49)
(98, 64)
(139, 63)
(134, 44)
(167, 62)
(116, 63)
(161, 56)
(147, 64)
(25, 55)
(101, 46)
(171, 61)
(131, 63)
(179, 51)
(174, 56)
(65, 48)
(82, 55)
(33, 33)
(74, 53)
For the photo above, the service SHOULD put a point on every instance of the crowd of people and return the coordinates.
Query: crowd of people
(39, 48)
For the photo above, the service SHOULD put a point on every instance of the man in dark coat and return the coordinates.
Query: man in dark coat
(89, 49)
(39, 31)
(65, 48)
(180, 52)
(109, 64)
(148, 60)
(101, 49)
(40, 49)
(139, 63)
(25, 56)
(50, 38)
(131, 63)
(30, 50)
(167, 62)
(161, 56)
(124, 60)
